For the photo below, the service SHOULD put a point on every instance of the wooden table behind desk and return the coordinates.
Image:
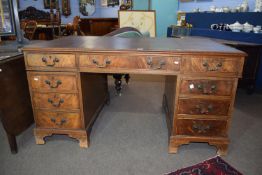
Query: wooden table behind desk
(251, 65)
(15, 106)
(98, 26)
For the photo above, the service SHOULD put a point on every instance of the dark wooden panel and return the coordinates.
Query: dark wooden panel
(94, 94)
(98, 26)
(169, 100)
(15, 105)
(251, 65)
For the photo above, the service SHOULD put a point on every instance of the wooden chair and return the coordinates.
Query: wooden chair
(30, 28)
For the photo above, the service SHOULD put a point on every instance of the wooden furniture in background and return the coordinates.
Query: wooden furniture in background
(31, 13)
(251, 65)
(201, 81)
(15, 105)
(30, 28)
(44, 21)
(98, 26)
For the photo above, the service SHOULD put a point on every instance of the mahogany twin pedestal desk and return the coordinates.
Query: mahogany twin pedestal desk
(68, 84)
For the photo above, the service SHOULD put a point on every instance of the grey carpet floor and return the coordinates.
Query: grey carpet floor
(130, 138)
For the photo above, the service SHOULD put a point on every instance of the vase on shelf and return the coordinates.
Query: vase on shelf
(258, 6)
(244, 6)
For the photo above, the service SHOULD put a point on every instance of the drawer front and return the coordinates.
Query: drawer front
(46, 119)
(130, 62)
(190, 127)
(57, 82)
(55, 101)
(212, 65)
(206, 87)
(51, 60)
(203, 107)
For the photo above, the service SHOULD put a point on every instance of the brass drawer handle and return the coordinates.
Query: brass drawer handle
(61, 123)
(53, 83)
(50, 61)
(159, 66)
(200, 128)
(204, 109)
(106, 62)
(204, 88)
(56, 102)
(211, 69)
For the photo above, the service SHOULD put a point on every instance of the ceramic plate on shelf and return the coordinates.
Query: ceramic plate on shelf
(236, 30)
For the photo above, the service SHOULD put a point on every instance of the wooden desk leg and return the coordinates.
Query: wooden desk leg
(222, 148)
(12, 143)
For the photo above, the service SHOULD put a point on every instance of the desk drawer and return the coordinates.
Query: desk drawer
(203, 107)
(212, 65)
(209, 128)
(130, 62)
(55, 101)
(206, 87)
(46, 119)
(53, 81)
(51, 60)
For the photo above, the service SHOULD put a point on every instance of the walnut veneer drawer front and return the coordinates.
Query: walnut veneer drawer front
(46, 119)
(206, 87)
(57, 82)
(201, 127)
(212, 65)
(203, 107)
(55, 101)
(131, 62)
(51, 60)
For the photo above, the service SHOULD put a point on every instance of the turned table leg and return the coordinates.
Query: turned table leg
(118, 83)
(127, 78)
(12, 143)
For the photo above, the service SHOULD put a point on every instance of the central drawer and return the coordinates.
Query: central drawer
(162, 63)
(57, 101)
(64, 120)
